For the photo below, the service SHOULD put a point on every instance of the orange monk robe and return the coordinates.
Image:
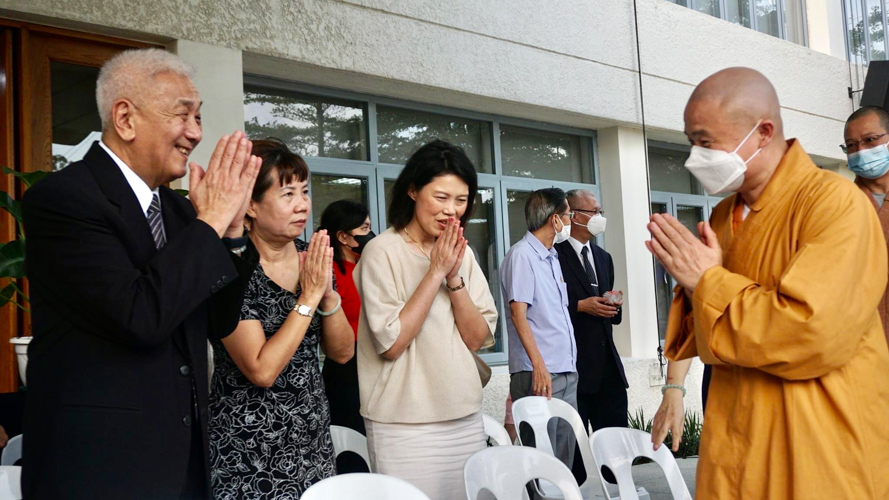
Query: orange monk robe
(883, 214)
(799, 399)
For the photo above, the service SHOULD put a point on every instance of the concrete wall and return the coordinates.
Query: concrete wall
(570, 62)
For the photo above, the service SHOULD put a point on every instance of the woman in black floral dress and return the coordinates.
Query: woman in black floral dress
(269, 417)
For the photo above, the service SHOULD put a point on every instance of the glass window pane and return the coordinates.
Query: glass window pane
(855, 32)
(75, 117)
(690, 216)
(388, 186)
(515, 206)
(738, 12)
(708, 7)
(668, 172)
(481, 233)
(663, 285)
(683, 3)
(540, 154)
(875, 31)
(766, 12)
(310, 125)
(327, 189)
(400, 132)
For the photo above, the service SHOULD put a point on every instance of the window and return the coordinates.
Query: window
(779, 18)
(402, 131)
(75, 115)
(356, 145)
(676, 192)
(865, 30)
(540, 154)
(310, 126)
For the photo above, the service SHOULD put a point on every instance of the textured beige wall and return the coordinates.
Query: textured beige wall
(570, 61)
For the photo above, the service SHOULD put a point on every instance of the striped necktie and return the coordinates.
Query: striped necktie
(156, 222)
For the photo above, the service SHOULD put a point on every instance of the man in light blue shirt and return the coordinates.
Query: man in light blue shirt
(542, 350)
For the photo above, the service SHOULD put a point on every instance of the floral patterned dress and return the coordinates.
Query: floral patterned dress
(270, 443)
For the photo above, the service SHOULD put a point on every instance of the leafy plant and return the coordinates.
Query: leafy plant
(12, 254)
(691, 434)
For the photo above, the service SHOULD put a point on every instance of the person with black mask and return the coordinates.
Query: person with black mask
(348, 224)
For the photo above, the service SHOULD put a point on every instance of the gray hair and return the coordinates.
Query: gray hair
(541, 205)
(128, 75)
(575, 194)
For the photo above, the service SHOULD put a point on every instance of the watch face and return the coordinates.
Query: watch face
(304, 310)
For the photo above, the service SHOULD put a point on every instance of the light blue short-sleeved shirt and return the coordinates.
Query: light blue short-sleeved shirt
(531, 273)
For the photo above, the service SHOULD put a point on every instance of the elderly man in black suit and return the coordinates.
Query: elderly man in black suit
(128, 278)
(589, 273)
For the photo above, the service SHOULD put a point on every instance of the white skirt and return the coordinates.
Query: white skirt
(429, 456)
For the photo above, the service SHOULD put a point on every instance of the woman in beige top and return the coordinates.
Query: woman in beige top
(426, 308)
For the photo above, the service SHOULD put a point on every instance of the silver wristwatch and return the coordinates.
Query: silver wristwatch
(304, 310)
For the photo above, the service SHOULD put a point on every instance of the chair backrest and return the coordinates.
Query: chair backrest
(365, 486)
(346, 439)
(495, 431)
(537, 411)
(616, 448)
(505, 470)
(12, 453)
(10, 482)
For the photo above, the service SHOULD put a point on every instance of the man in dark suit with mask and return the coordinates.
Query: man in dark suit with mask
(128, 278)
(589, 273)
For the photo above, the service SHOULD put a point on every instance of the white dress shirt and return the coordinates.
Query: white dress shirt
(143, 193)
(578, 247)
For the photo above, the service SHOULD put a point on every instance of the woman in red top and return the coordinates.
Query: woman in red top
(348, 224)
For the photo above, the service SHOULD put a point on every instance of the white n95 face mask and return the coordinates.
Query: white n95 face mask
(719, 171)
(562, 235)
(596, 224)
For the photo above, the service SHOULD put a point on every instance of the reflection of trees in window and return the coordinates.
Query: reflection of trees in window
(543, 155)
(401, 132)
(875, 32)
(309, 126)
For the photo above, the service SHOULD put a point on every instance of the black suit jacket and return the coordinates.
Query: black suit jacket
(593, 334)
(120, 335)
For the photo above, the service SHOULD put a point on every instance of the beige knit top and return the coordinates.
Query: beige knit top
(435, 379)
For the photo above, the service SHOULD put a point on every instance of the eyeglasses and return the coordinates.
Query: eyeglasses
(868, 142)
(591, 213)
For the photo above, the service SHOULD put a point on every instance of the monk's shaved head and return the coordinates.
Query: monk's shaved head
(741, 95)
(736, 110)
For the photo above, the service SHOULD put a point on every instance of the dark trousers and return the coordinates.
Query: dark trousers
(341, 386)
(606, 407)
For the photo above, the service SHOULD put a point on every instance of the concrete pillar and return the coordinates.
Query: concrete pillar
(219, 76)
(624, 189)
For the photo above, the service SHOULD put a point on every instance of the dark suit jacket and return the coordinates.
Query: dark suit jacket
(120, 335)
(594, 335)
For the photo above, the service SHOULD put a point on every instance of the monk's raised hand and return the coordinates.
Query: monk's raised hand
(684, 256)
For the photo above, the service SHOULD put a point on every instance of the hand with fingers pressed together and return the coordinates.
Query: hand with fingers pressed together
(221, 193)
(684, 256)
(316, 269)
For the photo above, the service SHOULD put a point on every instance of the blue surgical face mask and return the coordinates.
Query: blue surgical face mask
(870, 163)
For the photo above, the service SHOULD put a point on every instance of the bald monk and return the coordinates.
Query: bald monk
(780, 295)
(866, 139)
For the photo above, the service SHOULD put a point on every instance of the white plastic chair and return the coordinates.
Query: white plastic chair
(495, 431)
(616, 448)
(10, 482)
(505, 470)
(12, 453)
(537, 411)
(364, 486)
(346, 439)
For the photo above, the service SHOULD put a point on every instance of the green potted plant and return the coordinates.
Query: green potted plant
(12, 262)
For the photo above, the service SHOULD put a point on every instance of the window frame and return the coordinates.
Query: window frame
(754, 25)
(378, 172)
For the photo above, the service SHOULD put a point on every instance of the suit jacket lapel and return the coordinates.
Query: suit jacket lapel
(601, 269)
(567, 252)
(118, 191)
(174, 222)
